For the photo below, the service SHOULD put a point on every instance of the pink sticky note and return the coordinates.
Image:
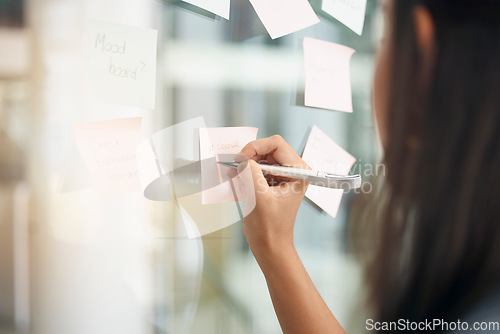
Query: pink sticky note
(283, 17)
(328, 79)
(322, 153)
(108, 149)
(219, 144)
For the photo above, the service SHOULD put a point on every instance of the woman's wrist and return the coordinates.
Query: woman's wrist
(269, 251)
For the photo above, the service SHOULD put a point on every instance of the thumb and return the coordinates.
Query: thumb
(256, 186)
(255, 182)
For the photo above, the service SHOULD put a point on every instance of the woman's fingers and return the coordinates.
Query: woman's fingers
(274, 150)
(251, 175)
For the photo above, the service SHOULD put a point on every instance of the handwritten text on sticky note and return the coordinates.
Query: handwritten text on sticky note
(322, 153)
(283, 17)
(122, 64)
(328, 80)
(350, 12)
(217, 143)
(108, 149)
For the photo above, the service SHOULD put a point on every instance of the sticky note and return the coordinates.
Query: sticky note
(122, 64)
(283, 17)
(108, 149)
(221, 144)
(218, 7)
(322, 153)
(327, 75)
(170, 158)
(349, 12)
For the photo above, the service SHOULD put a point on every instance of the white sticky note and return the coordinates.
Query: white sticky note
(108, 149)
(175, 149)
(322, 153)
(328, 78)
(349, 12)
(222, 143)
(218, 7)
(122, 64)
(283, 17)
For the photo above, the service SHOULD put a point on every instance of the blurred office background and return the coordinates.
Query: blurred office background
(74, 261)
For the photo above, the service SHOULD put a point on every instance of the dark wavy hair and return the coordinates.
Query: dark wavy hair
(430, 234)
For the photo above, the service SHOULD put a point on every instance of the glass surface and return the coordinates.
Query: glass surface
(76, 261)
(233, 74)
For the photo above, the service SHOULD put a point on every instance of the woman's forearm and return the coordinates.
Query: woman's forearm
(268, 226)
(298, 305)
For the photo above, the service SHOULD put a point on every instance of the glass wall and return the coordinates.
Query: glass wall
(75, 261)
(233, 74)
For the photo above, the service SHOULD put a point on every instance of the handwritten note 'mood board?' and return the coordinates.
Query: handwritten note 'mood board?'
(322, 153)
(283, 17)
(109, 149)
(122, 64)
(328, 76)
(222, 144)
(349, 12)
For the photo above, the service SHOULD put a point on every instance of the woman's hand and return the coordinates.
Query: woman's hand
(272, 203)
(270, 212)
